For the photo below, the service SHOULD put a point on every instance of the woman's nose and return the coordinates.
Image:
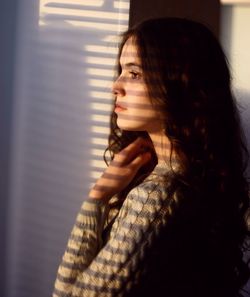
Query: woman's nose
(117, 88)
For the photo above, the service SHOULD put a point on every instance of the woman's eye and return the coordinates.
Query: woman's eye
(134, 75)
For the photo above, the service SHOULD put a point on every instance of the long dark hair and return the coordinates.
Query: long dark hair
(187, 72)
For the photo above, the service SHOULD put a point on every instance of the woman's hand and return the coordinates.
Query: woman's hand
(121, 170)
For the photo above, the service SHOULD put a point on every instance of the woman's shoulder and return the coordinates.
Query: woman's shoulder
(151, 191)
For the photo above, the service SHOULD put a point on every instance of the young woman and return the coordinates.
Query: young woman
(167, 217)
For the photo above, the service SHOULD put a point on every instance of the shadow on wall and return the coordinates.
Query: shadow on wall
(64, 68)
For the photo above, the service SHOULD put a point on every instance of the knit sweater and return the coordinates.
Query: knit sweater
(102, 261)
(140, 250)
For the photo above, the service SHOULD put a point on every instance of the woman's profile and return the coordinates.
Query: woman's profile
(167, 217)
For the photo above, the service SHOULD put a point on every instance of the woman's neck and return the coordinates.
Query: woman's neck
(161, 145)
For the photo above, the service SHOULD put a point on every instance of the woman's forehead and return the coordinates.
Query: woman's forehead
(129, 54)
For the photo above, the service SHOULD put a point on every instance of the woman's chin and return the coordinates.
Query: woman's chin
(129, 125)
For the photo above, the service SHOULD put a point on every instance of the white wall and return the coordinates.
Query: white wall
(235, 38)
(64, 69)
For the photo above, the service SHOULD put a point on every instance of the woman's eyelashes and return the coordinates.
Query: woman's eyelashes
(134, 74)
(127, 75)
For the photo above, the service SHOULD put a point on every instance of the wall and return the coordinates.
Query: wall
(8, 14)
(235, 37)
(62, 97)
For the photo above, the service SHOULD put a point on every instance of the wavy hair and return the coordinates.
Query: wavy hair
(186, 71)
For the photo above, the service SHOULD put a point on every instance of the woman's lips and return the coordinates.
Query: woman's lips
(119, 108)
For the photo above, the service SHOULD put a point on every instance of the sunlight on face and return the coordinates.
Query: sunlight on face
(134, 109)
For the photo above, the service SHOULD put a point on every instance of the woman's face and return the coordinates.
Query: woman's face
(133, 107)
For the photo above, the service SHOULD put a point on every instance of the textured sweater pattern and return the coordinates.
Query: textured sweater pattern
(92, 266)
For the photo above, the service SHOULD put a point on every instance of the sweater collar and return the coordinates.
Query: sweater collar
(164, 166)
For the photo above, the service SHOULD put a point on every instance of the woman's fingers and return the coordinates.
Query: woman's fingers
(139, 161)
(121, 170)
(131, 151)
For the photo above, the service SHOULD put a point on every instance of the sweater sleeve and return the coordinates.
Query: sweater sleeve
(90, 269)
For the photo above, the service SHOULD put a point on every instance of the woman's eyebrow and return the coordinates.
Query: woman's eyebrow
(129, 65)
